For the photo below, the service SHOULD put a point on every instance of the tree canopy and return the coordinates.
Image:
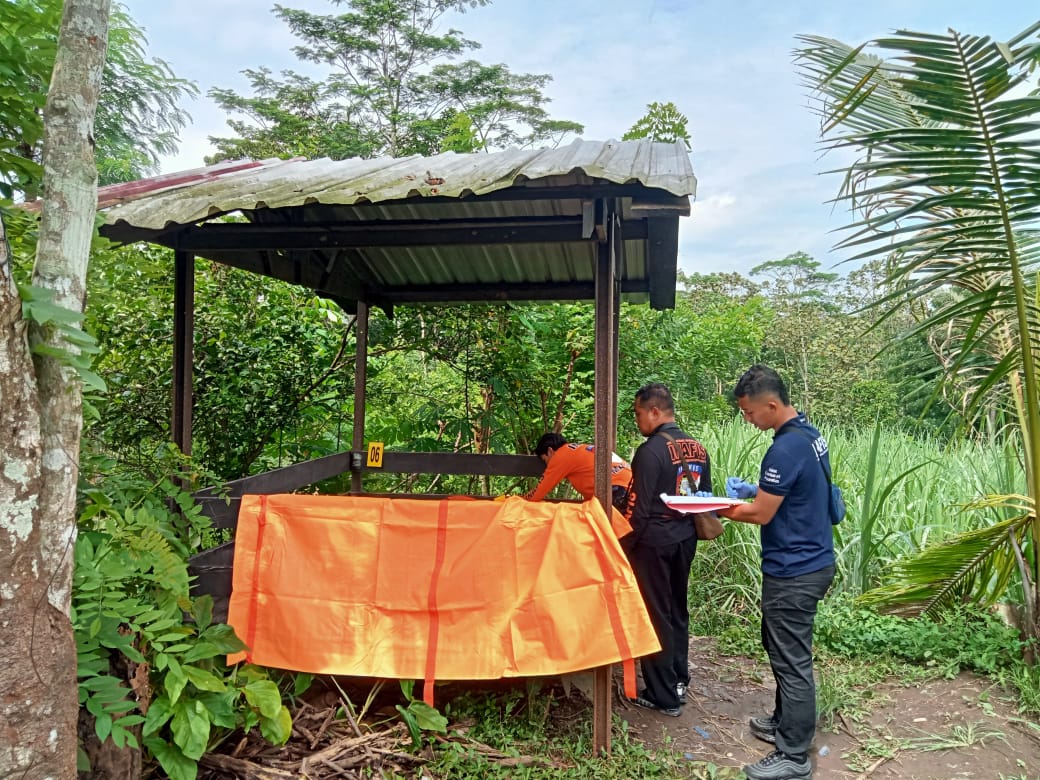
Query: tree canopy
(138, 114)
(662, 122)
(393, 88)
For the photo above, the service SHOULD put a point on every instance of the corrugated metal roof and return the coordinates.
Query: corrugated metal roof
(426, 198)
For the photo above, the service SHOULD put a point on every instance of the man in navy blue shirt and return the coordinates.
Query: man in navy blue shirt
(790, 506)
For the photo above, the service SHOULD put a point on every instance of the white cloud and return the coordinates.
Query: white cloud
(726, 65)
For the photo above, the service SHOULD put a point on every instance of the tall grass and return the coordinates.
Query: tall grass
(902, 492)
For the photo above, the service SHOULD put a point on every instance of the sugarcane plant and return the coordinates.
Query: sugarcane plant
(944, 186)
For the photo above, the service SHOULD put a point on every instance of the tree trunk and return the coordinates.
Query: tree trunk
(40, 421)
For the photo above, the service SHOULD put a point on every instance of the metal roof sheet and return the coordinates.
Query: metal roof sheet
(503, 224)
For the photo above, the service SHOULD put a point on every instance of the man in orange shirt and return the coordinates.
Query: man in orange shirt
(577, 464)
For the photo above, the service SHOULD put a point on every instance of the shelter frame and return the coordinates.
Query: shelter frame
(586, 225)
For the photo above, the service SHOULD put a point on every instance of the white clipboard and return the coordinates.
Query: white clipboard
(695, 504)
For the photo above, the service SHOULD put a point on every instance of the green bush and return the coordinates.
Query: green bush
(964, 639)
(150, 661)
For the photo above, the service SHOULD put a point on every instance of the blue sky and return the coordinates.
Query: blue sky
(726, 65)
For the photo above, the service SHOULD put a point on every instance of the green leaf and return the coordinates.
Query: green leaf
(407, 688)
(101, 682)
(202, 611)
(179, 649)
(278, 729)
(221, 708)
(264, 695)
(190, 728)
(82, 759)
(302, 682)
(92, 380)
(175, 680)
(428, 717)
(40, 309)
(158, 713)
(120, 738)
(200, 651)
(119, 707)
(412, 724)
(103, 726)
(224, 638)
(203, 680)
(176, 765)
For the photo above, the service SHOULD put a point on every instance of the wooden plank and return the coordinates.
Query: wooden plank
(221, 504)
(212, 570)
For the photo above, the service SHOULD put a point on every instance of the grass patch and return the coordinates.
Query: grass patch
(546, 735)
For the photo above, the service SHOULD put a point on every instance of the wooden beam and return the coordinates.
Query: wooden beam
(491, 293)
(220, 504)
(183, 349)
(662, 251)
(236, 237)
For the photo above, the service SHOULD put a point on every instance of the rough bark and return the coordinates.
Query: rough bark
(40, 422)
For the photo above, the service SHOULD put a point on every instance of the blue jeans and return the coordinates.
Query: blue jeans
(788, 615)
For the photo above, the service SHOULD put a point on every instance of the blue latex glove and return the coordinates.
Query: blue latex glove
(738, 488)
(704, 494)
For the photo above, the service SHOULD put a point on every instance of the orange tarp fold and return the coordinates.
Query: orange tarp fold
(419, 589)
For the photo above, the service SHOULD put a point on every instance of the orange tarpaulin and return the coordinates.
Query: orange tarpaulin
(420, 589)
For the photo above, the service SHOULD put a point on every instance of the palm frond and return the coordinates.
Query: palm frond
(946, 176)
(970, 567)
(944, 186)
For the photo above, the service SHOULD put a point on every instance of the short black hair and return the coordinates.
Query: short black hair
(548, 441)
(655, 394)
(761, 380)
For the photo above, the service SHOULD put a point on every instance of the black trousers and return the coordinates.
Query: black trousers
(663, 575)
(788, 615)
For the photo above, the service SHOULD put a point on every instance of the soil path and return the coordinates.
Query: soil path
(958, 728)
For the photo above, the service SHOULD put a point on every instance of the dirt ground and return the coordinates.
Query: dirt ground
(957, 728)
(963, 727)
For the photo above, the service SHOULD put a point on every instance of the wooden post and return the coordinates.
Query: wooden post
(183, 348)
(605, 419)
(357, 442)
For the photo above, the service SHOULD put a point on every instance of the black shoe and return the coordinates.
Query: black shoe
(680, 691)
(764, 729)
(779, 766)
(642, 701)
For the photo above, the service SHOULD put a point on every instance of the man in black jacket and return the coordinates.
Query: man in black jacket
(663, 542)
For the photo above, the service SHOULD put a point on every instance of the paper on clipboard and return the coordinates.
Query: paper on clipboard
(695, 504)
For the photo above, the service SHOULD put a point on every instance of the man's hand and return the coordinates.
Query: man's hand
(738, 488)
(704, 494)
